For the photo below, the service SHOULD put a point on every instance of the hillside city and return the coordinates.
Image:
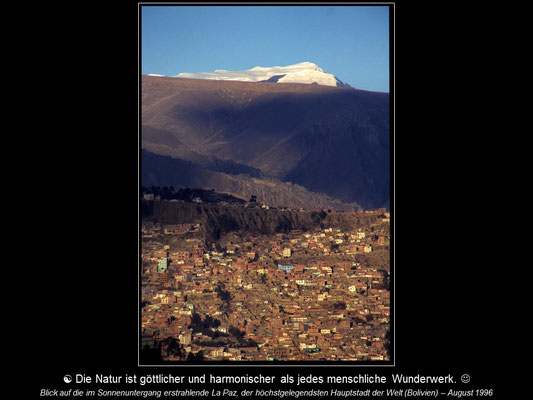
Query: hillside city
(315, 295)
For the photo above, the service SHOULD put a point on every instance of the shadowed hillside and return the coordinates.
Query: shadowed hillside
(327, 139)
(167, 171)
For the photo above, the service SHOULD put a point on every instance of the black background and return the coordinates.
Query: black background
(74, 253)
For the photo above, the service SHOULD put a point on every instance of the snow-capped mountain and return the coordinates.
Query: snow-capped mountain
(304, 72)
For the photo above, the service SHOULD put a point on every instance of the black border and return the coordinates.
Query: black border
(74, 140)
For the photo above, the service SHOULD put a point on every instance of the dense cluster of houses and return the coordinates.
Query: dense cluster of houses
(296, 296)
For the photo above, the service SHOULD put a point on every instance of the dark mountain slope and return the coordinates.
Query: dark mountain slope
(328, 139)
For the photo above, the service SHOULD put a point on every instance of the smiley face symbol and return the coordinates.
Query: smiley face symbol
(465, 378)
(67, 378)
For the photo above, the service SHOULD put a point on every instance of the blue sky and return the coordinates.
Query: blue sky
(351, 42)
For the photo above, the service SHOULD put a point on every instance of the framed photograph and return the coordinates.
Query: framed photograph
(266, 142)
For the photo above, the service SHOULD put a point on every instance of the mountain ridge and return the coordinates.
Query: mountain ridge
(158, 170)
